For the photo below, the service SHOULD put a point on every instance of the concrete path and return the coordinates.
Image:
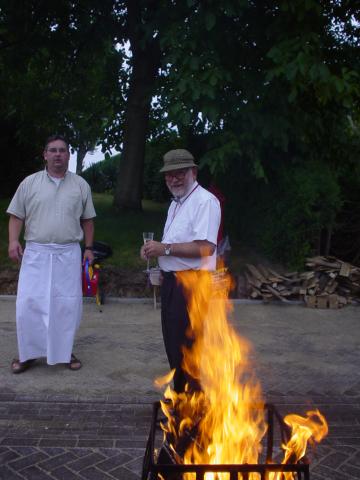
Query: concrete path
(92, 424)
(295, 349)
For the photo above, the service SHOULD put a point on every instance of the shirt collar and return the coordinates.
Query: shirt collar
(49, 176)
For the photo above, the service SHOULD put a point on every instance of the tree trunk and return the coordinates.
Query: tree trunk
(82, 151)
(145, 63)
(328, 232)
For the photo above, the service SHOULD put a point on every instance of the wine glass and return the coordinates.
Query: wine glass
(147, 236)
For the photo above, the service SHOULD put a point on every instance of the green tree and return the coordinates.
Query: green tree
(249, 75)
(268, 84)
(268, 88)
(145, 61)
(59, 74)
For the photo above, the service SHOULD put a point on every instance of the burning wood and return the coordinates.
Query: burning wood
(331, 283)
(224, 423)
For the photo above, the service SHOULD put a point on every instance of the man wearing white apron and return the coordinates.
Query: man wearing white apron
(57, 209)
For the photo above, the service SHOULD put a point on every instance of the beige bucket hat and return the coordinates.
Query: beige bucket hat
(176, 159)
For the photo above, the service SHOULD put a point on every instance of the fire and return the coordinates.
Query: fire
(223, 422)
(312, 428)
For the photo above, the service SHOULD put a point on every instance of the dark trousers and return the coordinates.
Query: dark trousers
(175, 322)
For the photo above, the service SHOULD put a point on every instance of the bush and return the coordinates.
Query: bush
(101, 176)
(284, 216)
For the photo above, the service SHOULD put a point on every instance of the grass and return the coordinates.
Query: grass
(121, 230)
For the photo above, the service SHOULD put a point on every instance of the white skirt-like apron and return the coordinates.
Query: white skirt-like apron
(49, 301)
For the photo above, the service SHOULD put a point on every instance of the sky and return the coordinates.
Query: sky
(90, 158)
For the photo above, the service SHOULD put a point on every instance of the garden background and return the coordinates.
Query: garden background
(264, 94)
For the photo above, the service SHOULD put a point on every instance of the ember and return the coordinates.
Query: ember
(224, 423)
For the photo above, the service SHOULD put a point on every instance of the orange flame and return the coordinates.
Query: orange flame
(312, 428)
(223, 423)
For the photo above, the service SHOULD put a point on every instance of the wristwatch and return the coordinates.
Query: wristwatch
(167, 249)
(88, 247)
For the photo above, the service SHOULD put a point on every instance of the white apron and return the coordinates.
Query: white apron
(49, 301)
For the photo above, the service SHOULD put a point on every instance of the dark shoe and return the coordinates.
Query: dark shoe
(19, 367)
(75, 363)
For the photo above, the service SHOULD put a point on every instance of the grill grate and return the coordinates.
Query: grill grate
(165, 465)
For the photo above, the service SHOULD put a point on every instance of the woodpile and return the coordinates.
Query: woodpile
(328, 283)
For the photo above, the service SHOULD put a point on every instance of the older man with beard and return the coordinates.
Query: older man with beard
(188, 243)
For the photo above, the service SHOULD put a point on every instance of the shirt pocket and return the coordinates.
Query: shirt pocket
(72, 204)
(182, 230)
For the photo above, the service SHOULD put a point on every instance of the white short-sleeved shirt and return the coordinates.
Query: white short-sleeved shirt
(196, 218)
(52, 212)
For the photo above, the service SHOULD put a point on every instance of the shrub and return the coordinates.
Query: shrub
(101, 176)
(284, 216)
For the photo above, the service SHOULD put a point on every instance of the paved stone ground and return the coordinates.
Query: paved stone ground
(65, 440)
(68, 440)
(59, 425)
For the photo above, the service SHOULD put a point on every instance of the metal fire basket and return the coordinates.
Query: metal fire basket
(165, 465)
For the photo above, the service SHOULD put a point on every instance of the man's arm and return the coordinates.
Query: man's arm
(15, 250)
(88, 227)
(194, 249)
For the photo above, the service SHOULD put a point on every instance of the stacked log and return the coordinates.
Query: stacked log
(336, 283)
(267, 284)
(328, 283)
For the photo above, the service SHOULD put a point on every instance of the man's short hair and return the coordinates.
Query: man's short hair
(53, 138)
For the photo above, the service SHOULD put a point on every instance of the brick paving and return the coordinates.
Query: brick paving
(71, 440)
(102, 440)
(59, 425)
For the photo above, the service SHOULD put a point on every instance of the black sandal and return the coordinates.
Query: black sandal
(19, 367)
(75, 363)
